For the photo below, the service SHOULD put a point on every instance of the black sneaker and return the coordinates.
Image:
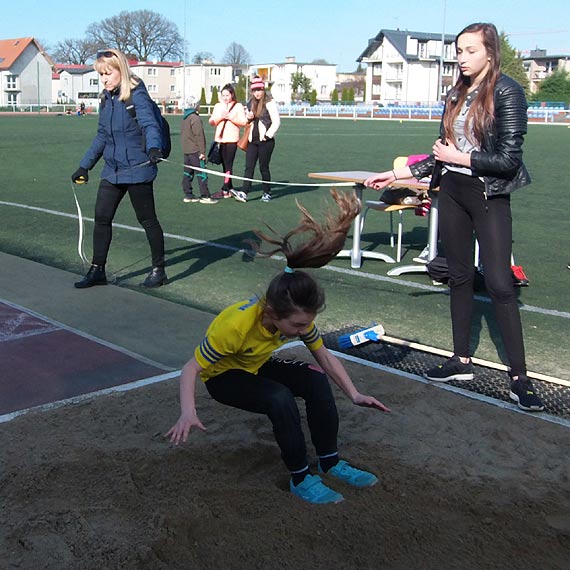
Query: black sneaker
(522, 392)
(452, 369)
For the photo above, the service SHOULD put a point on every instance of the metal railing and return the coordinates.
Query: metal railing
(547, 115)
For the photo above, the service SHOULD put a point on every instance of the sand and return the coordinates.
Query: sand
(463, 484)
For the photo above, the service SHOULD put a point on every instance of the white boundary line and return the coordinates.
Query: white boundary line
(168, 376)
(88, 336)
(345, 271)
(90, 396)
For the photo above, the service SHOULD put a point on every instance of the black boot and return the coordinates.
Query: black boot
(95, 276)
(155, 278)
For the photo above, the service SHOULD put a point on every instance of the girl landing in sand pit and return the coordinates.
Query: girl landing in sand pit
(235, 361)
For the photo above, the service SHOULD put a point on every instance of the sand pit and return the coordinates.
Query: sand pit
(464, 484)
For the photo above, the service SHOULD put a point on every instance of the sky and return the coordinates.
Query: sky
(271, 30)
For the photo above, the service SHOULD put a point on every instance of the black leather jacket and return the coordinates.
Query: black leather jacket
(499, 162)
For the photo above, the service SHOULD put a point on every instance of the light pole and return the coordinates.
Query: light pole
(440, 75)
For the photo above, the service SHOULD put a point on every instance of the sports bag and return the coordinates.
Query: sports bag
(215, 153)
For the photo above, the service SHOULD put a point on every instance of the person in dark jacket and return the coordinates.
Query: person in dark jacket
(477, 163)
(193, 140)
(130, 148)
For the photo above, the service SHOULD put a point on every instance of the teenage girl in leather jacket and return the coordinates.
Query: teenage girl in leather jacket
(477, 163)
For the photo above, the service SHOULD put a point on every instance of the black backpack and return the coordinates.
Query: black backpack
(165, 142)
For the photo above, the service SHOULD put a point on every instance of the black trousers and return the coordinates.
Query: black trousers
(228, 157)
(272, 392)
(262, 151)
(193, 159)
(109, 197)
(463, 210)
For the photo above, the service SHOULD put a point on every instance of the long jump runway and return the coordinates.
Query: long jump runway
(44, 362)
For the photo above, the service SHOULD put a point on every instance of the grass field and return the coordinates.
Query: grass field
(207, 270)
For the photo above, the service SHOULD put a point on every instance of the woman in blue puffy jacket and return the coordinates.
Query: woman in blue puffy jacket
(130, 146)
(477, 164)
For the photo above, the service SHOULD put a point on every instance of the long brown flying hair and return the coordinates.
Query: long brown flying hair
(292, 290)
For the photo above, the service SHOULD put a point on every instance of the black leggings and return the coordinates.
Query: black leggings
(228, 151)
(263, 151)
(109, 197)
(463, 210)
(272, 392)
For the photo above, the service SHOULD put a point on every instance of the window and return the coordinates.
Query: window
(173, 71)
(93, 82)
(377, 69)
(11, 81)
(172, 88)
(12, 99)
(323, 89)
(215, 71)
(152, 88)
(422, 50)
(448, 70)
(151, 71)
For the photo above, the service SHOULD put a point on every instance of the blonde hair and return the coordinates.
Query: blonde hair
(114, 59)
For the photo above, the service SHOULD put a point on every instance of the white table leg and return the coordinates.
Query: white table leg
(355, 253)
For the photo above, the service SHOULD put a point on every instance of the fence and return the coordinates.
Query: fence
(548, 115)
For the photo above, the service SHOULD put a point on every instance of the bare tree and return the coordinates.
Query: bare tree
(236, 54)
(74, 51)
(203, 57)
(142, 34)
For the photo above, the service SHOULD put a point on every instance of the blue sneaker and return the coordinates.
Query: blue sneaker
(313, 490)
(351, 475)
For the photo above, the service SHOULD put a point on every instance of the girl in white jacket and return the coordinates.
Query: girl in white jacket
(263, 115)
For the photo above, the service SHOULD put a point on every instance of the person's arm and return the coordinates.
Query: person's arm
(334, 369)
(216, 115)
(146, 118)
(275, 120)
(382, 179)
(237, 115)
(198, 135)
(188, 416)
(450, 154)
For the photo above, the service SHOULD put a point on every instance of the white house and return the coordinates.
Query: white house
(76, 84)
(278, 75)
(406, 67)
(25, 73)
(191, 78)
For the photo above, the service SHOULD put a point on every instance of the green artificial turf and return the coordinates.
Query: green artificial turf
(39, 153)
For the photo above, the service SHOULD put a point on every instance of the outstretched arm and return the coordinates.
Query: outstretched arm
(383, 179)
(336, 371)
(188, 417)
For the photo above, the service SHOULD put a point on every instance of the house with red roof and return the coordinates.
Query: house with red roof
(25, 73)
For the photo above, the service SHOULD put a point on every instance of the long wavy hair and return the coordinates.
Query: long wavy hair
(297, 290)
(481, 115)
(117, 60)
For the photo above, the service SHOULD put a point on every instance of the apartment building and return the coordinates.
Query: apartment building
(539, 65)
(409, 67)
